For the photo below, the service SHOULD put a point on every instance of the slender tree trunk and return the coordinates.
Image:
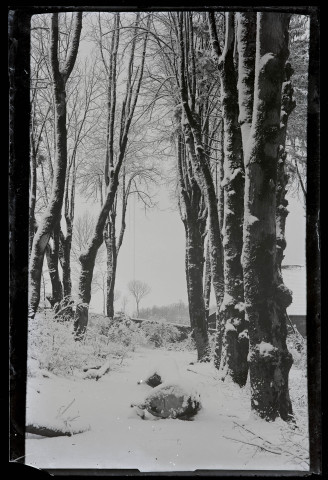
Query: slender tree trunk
(110, 242)
(266, 297)
(33, 182)
(207, 281)
(65, 261)
(193, 215)
(194, 274)
(205, 181)
(220, 177)
(88, 258)
(52, 214)
(65, 246)
(235, 340)
(56, 286)
(202, 172)
(52, 254)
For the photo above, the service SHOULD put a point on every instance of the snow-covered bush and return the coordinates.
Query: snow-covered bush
(297, 346)
(51, 344)
(126, 332)
(160, 334)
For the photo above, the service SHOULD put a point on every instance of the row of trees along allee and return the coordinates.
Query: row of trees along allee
(225, 85)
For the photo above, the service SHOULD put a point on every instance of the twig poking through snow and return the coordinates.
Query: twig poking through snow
(253, 444)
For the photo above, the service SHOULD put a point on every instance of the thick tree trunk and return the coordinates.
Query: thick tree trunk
(246, 45)
(266, 297)
(194, 274)
(287, 106)
(52, 214)
(52, 255)
(235, 338)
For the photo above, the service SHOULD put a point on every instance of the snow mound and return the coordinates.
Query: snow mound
(172, 401)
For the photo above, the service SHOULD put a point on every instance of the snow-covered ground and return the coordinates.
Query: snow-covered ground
(223, 435)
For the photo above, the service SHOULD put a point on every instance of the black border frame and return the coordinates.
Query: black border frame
(19, 108)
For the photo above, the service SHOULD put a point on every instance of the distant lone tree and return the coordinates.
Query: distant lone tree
(138, 290)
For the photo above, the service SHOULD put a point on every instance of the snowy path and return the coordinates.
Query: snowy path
(118, 438)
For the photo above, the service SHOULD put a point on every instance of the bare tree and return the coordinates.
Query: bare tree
(193, 137)
(51, 217)
(138, 290)
(112, 169)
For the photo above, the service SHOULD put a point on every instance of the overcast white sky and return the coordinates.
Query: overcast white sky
(159, 251)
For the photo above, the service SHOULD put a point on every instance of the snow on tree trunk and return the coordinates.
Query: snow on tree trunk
(207, 281)
(193, 138)
(287, 106)
(33, 183)
(194, 274)
(235, 339)
(65, 262)
(110, 242)
(52, 214)
(246, 45)
(193, 215)
(204, 179)
(52, 252)
(88, 258)
(266, 298)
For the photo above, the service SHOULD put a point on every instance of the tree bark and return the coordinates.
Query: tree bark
(193, 215)
(110, 242)
(207, 281)
(52, 214)
(193, 139)
(52, 254)
(287, 106)
(266, 297)
(33, 182)
(65, 260)
(235, 338)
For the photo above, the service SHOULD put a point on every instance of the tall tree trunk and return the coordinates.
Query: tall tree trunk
(65, 262)
(219, 179)
(266, 297)
(193, 215)
(287, 106)
(52, 254)
(193, 139)
(207, 281)
(235, 339)
(32, 194)
(65, 246)
(52, 214)
(110, 242)
(194, 274)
